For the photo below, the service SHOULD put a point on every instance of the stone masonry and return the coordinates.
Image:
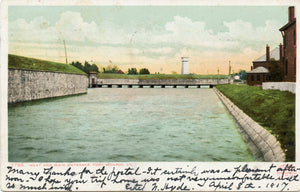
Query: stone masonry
(263, 145)
(163, 81)
(26, 85)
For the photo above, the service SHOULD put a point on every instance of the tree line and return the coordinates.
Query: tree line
(87, 67)
(143, 71)
(131, 71)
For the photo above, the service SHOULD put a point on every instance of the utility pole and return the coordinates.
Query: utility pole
(218, 74)
(65, 52)
(229, 69)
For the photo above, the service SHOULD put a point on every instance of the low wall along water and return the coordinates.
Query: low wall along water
(162, 81)
(282, 86)
(263, 144)
(28, 85)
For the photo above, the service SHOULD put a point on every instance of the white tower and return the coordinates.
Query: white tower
(185, 65)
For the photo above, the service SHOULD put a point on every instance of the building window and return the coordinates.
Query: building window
(294, 37)
(258, 77)
(252, 77)
(286, 67)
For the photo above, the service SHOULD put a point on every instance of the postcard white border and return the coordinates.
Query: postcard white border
(4, 53)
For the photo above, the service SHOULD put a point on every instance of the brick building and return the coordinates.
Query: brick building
(257, 76)
(260, 71)
(289, 35)
(286, 54)
(265, 60)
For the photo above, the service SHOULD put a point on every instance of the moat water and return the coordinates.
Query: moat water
(122, 124)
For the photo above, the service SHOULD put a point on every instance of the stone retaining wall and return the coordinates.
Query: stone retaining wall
(262, 144)
(27, 85)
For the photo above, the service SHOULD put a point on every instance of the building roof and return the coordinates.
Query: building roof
(275, 54)
(259, 70)
(288, 25)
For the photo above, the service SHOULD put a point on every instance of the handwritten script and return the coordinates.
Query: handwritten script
(151, 177)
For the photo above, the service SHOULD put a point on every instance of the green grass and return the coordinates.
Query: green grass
(273, 109)
(20, 62)
(158, 76)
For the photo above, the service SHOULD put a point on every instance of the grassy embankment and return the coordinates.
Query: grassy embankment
(158, 76)
(19, 62)
(272, 109)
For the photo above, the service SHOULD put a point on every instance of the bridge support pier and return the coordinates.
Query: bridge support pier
(211, 86)
(119, 86)
(186, 86)
(163, 86)
(100, 86)
(151, 86)
(198, 86)
(174, 86)
(109, 86)
(129, 86)
(140, 86)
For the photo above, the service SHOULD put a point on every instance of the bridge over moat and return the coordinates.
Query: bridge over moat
(151, 83)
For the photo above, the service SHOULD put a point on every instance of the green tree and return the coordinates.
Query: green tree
(95, 68)
(111, 69)
(78, 65)
(87, 67)
(144, 71)
(132, 71)
(276, 71)
(243, 75)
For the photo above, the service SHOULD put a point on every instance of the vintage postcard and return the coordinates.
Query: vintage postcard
(149, 95)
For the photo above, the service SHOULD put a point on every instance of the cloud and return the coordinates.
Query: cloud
(238, 35)
(191, 33)
(72, 27)
(240, 42)
(37, 29)
(241, 31)
(182, 31)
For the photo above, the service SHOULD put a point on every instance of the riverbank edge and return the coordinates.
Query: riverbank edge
(29, 102)
(263, 145)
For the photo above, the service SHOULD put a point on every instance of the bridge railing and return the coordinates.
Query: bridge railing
(162, 81)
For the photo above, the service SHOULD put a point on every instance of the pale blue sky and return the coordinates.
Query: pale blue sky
(153, 36)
